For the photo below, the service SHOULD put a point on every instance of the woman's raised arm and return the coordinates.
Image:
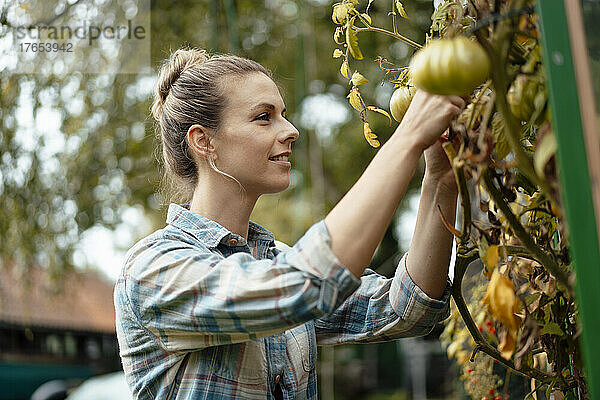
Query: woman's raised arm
(359, 221)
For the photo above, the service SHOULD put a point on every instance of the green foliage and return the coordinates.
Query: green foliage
(105, 160)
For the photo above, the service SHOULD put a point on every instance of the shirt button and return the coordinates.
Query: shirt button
(233, 242)
(277, 378)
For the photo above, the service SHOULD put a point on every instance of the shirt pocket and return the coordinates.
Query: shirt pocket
(305, 342)
(242, 362)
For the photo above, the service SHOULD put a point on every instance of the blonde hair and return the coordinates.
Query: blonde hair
(189, 91)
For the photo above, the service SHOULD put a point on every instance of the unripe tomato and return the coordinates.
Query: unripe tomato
(450, 66)
(400, 101)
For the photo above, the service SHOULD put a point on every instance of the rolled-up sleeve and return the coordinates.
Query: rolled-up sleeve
(190, 297)
(384, 309)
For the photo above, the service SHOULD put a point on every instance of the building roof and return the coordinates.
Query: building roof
(80, 301)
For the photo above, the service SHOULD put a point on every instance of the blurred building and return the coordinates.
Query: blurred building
(54, 330)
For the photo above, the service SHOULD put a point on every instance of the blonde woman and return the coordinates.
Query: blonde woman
(212, 306)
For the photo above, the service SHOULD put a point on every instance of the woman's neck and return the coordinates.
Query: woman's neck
(230, 209)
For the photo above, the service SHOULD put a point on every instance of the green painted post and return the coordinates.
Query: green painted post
(575, 180)
(232, 26)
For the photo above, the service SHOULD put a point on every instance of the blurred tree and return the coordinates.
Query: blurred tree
(77, 149)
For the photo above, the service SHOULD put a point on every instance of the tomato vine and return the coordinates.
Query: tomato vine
(512, 217)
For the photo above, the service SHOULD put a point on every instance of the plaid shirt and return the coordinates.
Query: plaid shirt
(202, 313)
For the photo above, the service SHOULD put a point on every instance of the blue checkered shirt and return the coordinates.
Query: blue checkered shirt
(203, 313)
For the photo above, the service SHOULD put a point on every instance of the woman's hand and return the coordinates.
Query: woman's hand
(428, 116)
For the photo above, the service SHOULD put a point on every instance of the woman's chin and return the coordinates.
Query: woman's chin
(278, 188)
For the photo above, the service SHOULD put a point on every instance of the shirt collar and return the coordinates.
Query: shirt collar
(209, 232)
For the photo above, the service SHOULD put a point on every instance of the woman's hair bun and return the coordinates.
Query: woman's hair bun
(180, 61)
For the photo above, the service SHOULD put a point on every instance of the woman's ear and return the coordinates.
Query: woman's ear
(198, 139)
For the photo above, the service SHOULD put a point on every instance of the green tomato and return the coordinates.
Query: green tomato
(450, 66)
(400, 101)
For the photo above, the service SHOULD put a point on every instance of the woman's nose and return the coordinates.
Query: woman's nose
(290, 131)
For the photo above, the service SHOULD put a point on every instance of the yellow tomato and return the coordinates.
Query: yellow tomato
(450, 66)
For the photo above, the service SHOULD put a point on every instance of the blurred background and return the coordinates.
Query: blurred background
(79, 179)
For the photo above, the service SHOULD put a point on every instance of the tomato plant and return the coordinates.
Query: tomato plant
(520, 310)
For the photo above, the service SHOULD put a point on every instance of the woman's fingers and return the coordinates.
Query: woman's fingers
(457, 101)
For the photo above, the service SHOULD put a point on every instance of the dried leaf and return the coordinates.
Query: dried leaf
(400, 8)
(370, 136)
(366, 17)
(352, 41)
(355, 99)
(502, 302)
(450, 228)
(380, 111)
(339, 14)
(338, 35)
(337, 53)
(345, 71)
(357, 79)
(508, 342)
(491, 257)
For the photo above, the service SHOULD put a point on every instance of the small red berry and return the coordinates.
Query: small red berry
(488, 322)
(497, 398)
(493, 331)
(469, 370)
(485, 398)
(480, 328)
(491, 391)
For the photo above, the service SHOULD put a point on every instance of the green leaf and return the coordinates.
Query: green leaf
(400, 8)
(551, 328)
(337, 53)
(366, 17)
(530, 299)
(352, 41)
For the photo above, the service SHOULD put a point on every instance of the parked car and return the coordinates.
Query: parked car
(102, 387)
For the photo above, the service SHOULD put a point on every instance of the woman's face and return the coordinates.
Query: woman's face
(254, 128)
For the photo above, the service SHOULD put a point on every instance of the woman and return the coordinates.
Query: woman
(211, 305)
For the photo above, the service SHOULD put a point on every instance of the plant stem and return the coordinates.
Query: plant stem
(518, 251)
(394, 17)
(544, 258)
(386, 32)
(465, 198)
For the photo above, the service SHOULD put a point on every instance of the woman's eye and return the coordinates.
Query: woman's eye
(264, 116)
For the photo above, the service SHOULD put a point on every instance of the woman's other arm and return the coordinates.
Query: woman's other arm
(427, 265)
